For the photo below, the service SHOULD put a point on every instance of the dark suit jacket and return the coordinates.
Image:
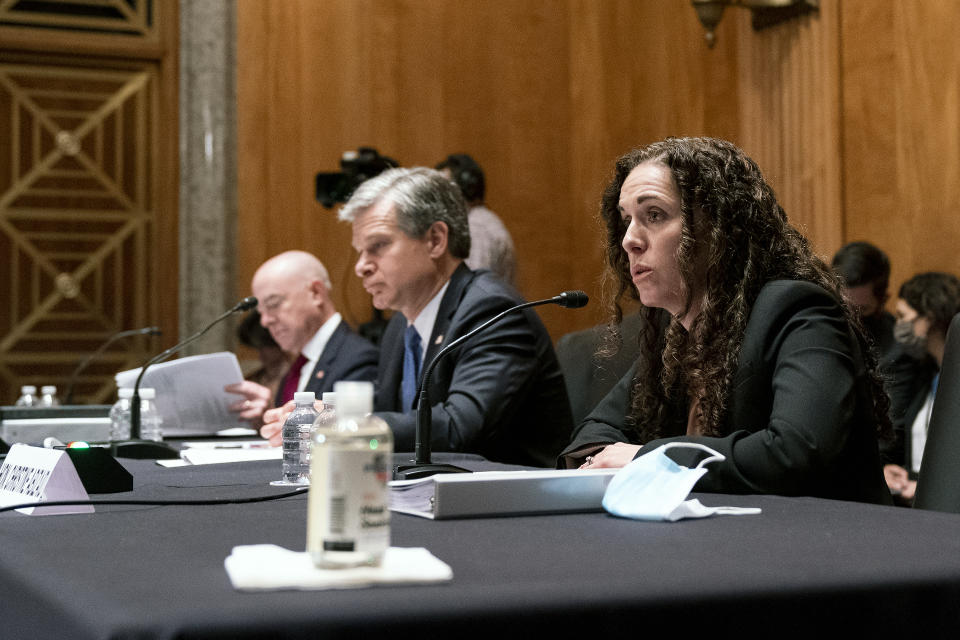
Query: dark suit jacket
(908, 384)
(799, 419)
(347, 356)
(879, 328)
(500, 394)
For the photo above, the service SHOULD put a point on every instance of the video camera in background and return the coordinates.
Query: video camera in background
(356, 166)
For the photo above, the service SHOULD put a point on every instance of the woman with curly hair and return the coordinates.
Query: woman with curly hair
(748, 346)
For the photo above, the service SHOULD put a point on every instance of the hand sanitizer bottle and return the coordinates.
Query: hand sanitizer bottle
(348, 510)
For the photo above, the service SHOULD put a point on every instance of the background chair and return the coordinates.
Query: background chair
(938, 487)
(588, 378)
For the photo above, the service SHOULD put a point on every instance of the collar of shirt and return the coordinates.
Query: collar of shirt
(424, 322)
(312, 350)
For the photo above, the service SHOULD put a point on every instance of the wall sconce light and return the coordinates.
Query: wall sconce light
(765, 12)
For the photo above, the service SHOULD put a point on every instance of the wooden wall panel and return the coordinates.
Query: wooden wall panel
(545, 94)
(790, 118)
(640, 71)
(88, 190)
(852, 113)
(901, 75)
(418, 80)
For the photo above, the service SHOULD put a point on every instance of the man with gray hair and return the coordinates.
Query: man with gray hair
(293, 293)
(501, 394)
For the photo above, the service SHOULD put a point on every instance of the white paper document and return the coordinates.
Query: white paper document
(218, 456)
(190, 395)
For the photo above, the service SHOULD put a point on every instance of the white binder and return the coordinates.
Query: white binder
(501, 493)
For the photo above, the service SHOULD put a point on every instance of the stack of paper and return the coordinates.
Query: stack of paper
(190, 395)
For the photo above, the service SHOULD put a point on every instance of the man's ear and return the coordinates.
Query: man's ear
(318, 292)
(437, 237)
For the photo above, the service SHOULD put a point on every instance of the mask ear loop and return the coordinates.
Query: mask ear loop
(715, 456)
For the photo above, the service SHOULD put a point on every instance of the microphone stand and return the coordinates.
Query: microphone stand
(422, 466)
(146, 331)
(136, 447)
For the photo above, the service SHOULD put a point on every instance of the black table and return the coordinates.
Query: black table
(804, 566)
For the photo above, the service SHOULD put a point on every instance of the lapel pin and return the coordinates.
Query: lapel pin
(438, 340)
(320, 374)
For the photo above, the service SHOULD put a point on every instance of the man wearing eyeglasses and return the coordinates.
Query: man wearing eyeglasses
(293, 290)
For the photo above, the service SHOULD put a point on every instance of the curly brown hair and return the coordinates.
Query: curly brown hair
(748, 242)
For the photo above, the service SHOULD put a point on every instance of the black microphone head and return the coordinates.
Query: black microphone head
(572, 299)
(246, 304)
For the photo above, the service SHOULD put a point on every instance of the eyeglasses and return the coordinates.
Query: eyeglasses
(271, 304)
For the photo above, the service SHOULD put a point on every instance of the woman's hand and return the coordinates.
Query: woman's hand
(612, 456)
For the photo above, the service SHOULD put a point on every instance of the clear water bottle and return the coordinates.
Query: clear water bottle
(28, 396)
(120, 415)
(151, 424)
(296, 440)
(327, 417)
(348, 509)
(48, 396)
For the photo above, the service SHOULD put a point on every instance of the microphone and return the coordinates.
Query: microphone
(569, 299)
(137, 448)
(146, 331)
(422, 466)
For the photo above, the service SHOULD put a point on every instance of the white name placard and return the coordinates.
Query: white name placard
(35, 474)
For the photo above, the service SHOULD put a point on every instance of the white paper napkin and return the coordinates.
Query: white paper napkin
(261, 567)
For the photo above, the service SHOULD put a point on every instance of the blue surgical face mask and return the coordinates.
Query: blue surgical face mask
(654, 487)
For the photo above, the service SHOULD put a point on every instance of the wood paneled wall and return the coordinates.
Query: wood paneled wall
(900, 80)
(790, 118)
(88, 190)
(855, 129)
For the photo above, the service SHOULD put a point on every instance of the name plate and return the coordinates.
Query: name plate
(35, 474)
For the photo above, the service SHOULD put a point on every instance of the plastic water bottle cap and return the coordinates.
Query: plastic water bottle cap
(354, 397)
(301, 397)
(147, 393)
(329, 397)
(48, 389)
(126, 392)
(28, 389)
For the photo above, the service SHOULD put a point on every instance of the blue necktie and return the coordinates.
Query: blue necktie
(411, 367)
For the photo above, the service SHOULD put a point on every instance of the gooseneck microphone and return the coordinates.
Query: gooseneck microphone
(146, 331)
(137, 448)
(422, 465)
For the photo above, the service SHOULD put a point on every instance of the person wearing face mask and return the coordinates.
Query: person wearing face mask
(926, 304)
(749, 345)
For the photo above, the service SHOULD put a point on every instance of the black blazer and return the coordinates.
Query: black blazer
(908, 383)
(347, 356)
(799, 419)
(501, 394)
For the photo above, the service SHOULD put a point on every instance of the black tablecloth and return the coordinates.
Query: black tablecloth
(804, 565)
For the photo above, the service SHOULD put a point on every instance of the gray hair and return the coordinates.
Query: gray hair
(420, 197)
